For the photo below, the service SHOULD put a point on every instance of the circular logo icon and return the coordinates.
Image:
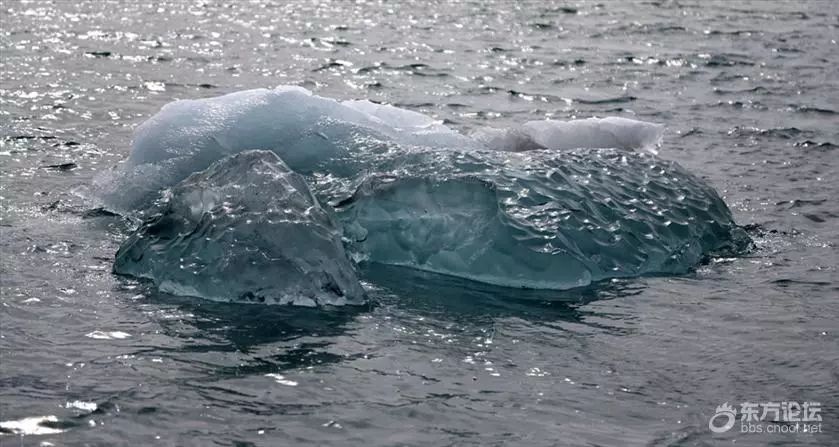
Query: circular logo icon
(726, 412)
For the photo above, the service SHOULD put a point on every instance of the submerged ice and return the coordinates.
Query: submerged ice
(247, 229)
(547, 204)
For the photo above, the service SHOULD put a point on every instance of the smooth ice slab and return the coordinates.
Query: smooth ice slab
(534, 219)
(247, 229)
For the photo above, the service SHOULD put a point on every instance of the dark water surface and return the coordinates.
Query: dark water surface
(748, 91)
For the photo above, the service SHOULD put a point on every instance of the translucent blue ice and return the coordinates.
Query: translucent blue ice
(535, 219)
(247, 229)
(542, 205)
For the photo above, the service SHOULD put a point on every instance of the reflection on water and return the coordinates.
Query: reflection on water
(469, 301)
(296, 334)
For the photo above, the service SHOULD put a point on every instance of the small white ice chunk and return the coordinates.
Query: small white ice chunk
(111, 335)
(279, 378)
(79, 405)
(31, 426)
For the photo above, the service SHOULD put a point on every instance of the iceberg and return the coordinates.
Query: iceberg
(544, 205)
(247, 229)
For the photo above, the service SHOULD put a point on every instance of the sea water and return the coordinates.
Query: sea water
(746, 94)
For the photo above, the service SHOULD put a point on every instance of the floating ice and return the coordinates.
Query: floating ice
(611, 132)
(315, 134)
(504, 206)
(281, 379)
(112, 335)
(247, 229)
(80, 405)
(35, 425)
